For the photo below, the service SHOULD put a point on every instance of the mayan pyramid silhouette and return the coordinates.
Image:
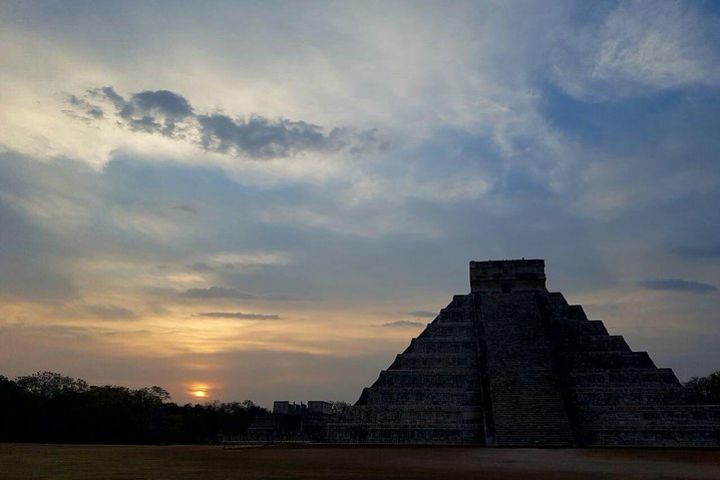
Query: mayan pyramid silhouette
(511, 364)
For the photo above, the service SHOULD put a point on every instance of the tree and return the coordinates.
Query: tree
(339, 407)
(705, 389)
(152, 395)
(50, 384)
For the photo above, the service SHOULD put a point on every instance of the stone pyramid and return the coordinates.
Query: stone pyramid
(511, 364)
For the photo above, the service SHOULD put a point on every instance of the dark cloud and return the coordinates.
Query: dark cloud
(111, 95)
(170, 114)
(225, 292)
(110, 312)
(698, 253)
(259, 137)
(85, 107)
(159, 111)
(240, 315)
(160, 102)
(422, 314)
(677, 285)
(186, 208)
(402, 324)
(202, 267)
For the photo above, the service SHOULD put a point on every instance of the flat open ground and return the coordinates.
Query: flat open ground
(209, 462)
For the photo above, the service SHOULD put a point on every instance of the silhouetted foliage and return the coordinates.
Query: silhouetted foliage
(705, 389)
(49, 407)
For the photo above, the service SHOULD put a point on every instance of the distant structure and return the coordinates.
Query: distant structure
(511, 364)
(283, 407)
(292, 422)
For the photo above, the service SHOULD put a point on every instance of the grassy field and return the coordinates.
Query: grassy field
(21, 462)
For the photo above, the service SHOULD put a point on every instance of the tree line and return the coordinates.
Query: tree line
(49, 407)
(52, 408)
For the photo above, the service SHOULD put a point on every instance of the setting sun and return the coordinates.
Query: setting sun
(199, 390)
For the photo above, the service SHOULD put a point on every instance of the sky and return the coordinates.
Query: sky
(268, 200)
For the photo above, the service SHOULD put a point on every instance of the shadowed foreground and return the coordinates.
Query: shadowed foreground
(206, 462)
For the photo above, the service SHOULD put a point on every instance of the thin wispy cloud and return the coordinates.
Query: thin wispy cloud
(678, 285)
(698, 253)
(186, 208)
(402, 324)
(217, 292)
(227, 292)
(202, 267)
(109, 312)
(240, 315)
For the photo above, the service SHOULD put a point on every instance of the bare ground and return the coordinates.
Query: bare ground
(25, 461)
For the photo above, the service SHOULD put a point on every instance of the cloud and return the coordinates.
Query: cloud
(159, 102)
(159, 111)
(698, 253)
(217, 292)
(91, 111)
(109, 312)
(677, 285)
(185, 208)
(402, 324)
(31, 268)
(638, 48)
(225, 292)
(240, 315)
(202, 267)
(423, 314)
(170, 114)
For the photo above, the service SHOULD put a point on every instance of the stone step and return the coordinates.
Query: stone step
(417, 418)
(454, 330)
(606, 360)
(415, 363)
(600, 376)
(593, 343)
(441, 345)
(579, 327)
(629, 396)
(685, 412)
(425, 396)
(402, 379)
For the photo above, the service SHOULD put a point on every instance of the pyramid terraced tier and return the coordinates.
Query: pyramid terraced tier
(511, 364)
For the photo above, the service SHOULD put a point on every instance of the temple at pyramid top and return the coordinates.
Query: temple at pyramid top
(505, 276)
